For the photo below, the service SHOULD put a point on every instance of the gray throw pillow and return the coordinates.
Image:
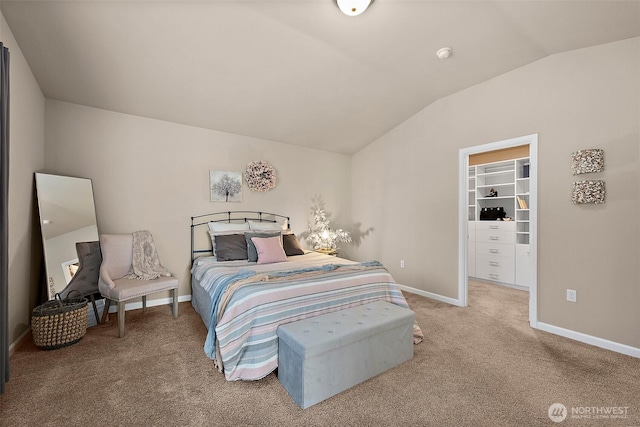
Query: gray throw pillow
(252, 253)
(231, 247)
(291, 245)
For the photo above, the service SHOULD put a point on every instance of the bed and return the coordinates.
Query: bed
(242, 301)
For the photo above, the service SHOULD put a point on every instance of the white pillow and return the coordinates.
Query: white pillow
(284, 223)
(268, 226)
(215, 227)
(220, 228)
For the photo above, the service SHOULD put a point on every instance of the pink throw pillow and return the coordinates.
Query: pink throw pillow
(269, 249)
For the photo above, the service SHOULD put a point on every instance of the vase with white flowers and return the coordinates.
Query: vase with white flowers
(322, 237)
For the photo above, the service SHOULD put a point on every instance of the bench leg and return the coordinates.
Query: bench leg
(144, 302)
(120, 319)
(175, 303)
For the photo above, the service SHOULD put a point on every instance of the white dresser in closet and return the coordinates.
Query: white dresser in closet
(495, 250)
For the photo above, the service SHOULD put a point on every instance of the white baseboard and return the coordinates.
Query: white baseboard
(20, 338)
(556, 330)
(150, 303)
(503, 284)
(114, 309)
(431, 295)
(591, 340)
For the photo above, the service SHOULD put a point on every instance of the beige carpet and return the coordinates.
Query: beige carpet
(478, 366)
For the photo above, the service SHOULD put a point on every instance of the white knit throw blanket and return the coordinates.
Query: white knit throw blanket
(146, 263)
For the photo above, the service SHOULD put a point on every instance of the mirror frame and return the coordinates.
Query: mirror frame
(65, 218)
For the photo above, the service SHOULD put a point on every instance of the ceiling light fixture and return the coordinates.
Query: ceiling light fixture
(444, 53)
(353, 7)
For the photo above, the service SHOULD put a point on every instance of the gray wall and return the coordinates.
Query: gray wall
(26, 129)
(586, 98)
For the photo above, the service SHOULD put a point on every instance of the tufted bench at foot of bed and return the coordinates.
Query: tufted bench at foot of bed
(321, 356)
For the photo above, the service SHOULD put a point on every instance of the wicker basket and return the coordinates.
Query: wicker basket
(59, 323)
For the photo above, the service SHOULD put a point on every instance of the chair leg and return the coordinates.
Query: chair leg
(175, 303)
(95, 308)
(105, 313)
(144, 302)
(120, 319)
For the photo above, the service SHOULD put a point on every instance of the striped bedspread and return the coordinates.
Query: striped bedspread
(248, 302)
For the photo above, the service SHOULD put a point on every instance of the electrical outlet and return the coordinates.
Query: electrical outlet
(572, 295)
(401, 263)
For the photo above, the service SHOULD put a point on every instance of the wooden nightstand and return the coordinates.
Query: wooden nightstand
(327, 251)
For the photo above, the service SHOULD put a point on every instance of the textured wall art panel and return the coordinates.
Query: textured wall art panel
(587, 161)
(588, 192)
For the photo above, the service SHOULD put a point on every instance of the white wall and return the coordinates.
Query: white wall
(154, 175)
(587, 98)
(26, 155)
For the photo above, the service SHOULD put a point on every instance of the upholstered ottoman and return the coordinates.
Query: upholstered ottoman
(321, 356)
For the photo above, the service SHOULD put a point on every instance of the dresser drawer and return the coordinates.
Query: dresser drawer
(493, 249)
(493, 267)
(496, 236)
(496, 225)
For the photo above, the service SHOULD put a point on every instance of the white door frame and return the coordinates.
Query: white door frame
(463, 217)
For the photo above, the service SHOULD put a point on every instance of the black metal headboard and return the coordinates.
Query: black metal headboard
(238, 217)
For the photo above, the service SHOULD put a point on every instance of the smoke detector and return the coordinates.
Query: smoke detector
(444, 53)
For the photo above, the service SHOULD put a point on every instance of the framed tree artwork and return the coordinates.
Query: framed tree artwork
(225, 186)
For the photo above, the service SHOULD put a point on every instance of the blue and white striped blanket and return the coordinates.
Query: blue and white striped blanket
(248, 303)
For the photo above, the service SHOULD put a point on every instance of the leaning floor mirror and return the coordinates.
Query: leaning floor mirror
(67, 219)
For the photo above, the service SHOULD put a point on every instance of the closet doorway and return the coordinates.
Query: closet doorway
(499, 180)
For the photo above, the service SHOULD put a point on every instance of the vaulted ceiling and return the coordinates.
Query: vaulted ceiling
(297, 71)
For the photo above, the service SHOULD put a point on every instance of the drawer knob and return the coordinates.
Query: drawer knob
(494, 263)
(494, 251)
(493, 227)
(494, 276)
(494, 237)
